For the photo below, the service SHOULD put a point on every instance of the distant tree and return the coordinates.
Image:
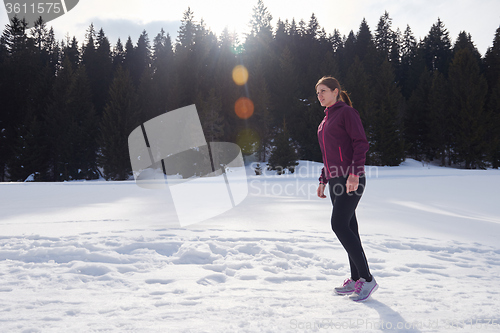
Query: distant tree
(468, 95)
(72, 52)
(464, 41)
(492, 62)
(388, 145)
(128, 57)
(30, 152)
(185, 69)
(287, 86)
(361, 94)
(347, 55)
(58, 122)
(119, 119)
(186, 33)
(141, 58)
(492, 74)
(365, 46)
(82, 143)
(118, 55)
(493, 134)
(260, 24)
(418, 119)
(384, 36)
(100, 72)
(440, 129)
(263, 109)
(211, 117)
(24, 66)
(437, 48)
(283, 156)
(163, 72)
(409, 65)
(147, 97)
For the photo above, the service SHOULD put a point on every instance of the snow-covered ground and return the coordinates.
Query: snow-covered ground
(111, 256)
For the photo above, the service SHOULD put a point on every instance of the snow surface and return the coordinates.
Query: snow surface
(111, 257)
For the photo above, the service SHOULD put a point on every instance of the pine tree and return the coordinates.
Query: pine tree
(468, 94)
(409, 70)
(437, 48)
(185, 71)
(492, 62)
(347, 55)
(283, 156)
(186, 33)
(163, 72)
(141, 58)
(118, 55)
(119, 119)
(59, 124)
(361, 94)
(29, 151)
(260, 23)
(82, 145)
(72, 52)
(100, 72)
(147, 102)
(225, 88)
(211, 117)
(286, 87)
(21, 72)
(365, 46)
(493, 134)
(128, 57)
(262, 118)
(388, 147)
(440, 138)
(384, 36)
(464, 41)
(492, 74)
(417, 119)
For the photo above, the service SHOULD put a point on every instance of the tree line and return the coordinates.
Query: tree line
(67, 108)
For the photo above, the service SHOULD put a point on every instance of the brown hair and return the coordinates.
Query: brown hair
(333, 84)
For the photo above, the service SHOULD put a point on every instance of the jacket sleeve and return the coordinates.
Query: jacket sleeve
(360, 144)
(322, 177)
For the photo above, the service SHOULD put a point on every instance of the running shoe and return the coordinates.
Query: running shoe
(363, 290)
(346, 288)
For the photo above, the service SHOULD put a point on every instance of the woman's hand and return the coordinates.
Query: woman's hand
(352, 183)
(321, 191)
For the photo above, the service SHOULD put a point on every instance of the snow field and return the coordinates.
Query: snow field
(99, 256)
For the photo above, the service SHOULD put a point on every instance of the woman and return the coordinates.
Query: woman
(343, 146)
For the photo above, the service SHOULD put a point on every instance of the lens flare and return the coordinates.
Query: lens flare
(244, 107)
(248, 140)
(240, 75)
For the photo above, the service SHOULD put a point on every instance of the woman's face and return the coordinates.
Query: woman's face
(326, 96)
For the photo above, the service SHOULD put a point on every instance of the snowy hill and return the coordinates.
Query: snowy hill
(111, 256)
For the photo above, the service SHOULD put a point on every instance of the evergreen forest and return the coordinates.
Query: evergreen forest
(67, 107)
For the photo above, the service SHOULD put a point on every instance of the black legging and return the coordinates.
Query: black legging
(345, 225)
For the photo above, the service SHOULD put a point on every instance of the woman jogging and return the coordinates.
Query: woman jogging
(343, 146)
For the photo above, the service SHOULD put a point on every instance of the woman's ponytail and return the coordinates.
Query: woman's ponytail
(345, 98)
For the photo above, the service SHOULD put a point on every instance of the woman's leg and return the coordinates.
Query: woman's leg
(345, 225)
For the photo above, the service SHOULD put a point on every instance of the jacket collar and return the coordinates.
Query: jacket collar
(334, 107)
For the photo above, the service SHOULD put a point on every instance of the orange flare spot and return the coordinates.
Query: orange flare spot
(244, 107)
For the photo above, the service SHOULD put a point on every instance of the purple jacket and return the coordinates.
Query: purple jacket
(342, 141)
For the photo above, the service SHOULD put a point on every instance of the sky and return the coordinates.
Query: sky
(124, 18)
